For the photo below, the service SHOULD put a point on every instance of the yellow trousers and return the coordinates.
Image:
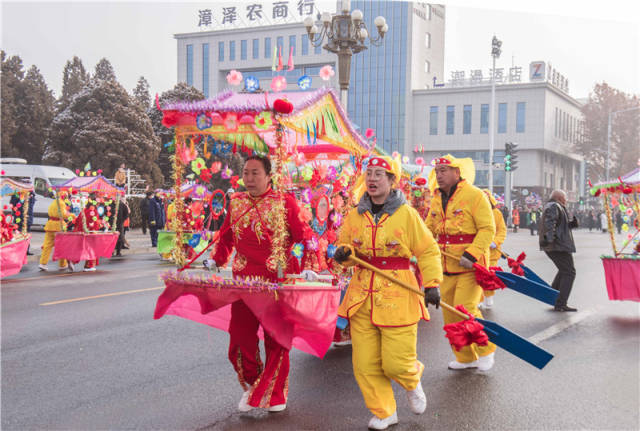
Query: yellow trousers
(47, 248)
(463, 289)
(382, 354)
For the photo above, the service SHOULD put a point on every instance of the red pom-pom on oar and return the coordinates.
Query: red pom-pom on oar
(516, 264)
(465, 332)
(487, 278)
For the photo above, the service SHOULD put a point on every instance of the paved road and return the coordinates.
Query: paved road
(99, 361)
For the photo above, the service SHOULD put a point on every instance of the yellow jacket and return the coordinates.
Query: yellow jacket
(468, 213)
(402, 234)
(171, 213)
(54, 224)
(500, 236)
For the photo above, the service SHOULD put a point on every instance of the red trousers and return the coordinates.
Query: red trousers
(269, 384)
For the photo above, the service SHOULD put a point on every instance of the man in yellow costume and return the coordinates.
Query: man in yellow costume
(460, 218)
(57, 213)
(496, 246)
(386, 232)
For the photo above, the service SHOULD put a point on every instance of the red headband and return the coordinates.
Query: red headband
(379, 162)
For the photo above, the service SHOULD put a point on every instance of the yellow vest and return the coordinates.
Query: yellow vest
(403, 234)
(54, 213)
(468, 213)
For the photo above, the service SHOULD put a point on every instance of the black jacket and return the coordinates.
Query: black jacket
(555, 229)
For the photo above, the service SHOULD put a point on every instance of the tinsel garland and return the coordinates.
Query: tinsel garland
(277, 261)
(176, 224)
(610, 223)
(208, 280)
(114, 222)
(25, 212)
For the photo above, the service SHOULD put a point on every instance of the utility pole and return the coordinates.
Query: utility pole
(495, 53)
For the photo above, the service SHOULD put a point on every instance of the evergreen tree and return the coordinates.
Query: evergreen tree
(74, 78)
(35, 110)
(181, 92)
(12, 75)
(625, 128)
(141, 93)
(104, 71)
(105, 126)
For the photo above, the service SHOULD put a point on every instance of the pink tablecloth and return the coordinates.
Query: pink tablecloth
(623, 279)
(303, 317)
(76, 246)
(13, 256)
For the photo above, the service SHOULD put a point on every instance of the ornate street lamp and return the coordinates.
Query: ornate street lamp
(345, 35)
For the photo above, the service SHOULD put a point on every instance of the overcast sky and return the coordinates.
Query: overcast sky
(586, 41)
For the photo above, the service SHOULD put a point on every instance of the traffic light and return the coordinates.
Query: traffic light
(510, 156)
(581, 201)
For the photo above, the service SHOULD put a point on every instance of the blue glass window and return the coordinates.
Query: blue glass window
(484, 118)
(220, 51)
(451, 112)
(520, 117)
(305, 44)
(292, 44)
(189, 64)
(502, 118)
(205, 69)
(280, 44)
(317, 49)
(433, 120)
(243, 50)
(267, 47)
(255, 48)
(232, 50)
(466, 120)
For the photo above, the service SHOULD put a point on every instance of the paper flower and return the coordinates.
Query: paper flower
(197, 165)
(215, 167)
(419, 161)
(326, 72)
(226, 173)
(306, 196)
(629, 212)
(205, 175)
(203, 121)
(278, 83)
(625, 227)
(305, 214)
(234, 77)
(312, 244)
(234, 181)
(331, 250)
(199, 192)
(251, 83)
(369, 133)
(297, 250)
(264, 120)
(304, 82)
(231, 122)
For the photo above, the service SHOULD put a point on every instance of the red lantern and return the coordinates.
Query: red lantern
(283, 106)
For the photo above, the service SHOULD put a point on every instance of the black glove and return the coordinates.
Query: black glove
(342, 254)
(432, 296)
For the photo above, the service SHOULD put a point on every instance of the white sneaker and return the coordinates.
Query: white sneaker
(486, 362)
(455, 365)
(89, 269)
(42, 267)
(417, 400)
(63, 268)
(382, 424)
(243, 405)
(481, 306)
(277, 408)
(488, 302)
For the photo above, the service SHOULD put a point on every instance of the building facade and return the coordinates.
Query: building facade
(541, 118)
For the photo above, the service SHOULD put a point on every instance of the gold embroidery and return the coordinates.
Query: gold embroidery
(266, 398)
(239, 263)
(240, 371)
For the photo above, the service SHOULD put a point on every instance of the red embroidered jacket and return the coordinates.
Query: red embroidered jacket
(88, 213)
(249, 228)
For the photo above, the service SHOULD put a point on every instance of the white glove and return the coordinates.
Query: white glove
(466, 263)
(493, 245)
(309, 275)
(210, 264)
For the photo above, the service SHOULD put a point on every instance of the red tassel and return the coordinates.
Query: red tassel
(324, 129)
(487, 279)
(465, 332)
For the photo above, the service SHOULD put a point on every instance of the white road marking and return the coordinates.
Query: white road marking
(555, 329)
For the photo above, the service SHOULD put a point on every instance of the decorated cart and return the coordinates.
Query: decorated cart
(622, 269)
(315, 151)
(14, 241)
(84, 243)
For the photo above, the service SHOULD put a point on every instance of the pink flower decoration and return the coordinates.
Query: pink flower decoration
(327, 72)
(231, 122)
(629, 236)
(234, 77)
(405, 160)
(278, 83)
(419, 161)
(369, 133)
(395, 154)
(629, 212)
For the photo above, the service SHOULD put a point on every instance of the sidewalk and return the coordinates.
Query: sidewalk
(138, 243)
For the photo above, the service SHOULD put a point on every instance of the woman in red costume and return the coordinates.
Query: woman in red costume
(91, 217)
(249, 228)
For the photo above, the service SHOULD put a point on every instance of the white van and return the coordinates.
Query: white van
(42, 177)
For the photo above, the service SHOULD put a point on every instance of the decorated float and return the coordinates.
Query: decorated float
(84, 243)
(622, 268)
(14, 239)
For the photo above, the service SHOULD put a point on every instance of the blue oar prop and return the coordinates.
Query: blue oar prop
(500, 336)
(528, 287)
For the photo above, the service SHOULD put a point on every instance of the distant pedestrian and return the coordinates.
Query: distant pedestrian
(144, 213)
(556, 240)
(121, 214)
(619, 221)
(515, 217)
(156, 217)
(604, 223)
(533, 223)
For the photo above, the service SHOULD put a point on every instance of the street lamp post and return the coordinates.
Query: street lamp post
(495, 53)
(345, 34)
(611, 115)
